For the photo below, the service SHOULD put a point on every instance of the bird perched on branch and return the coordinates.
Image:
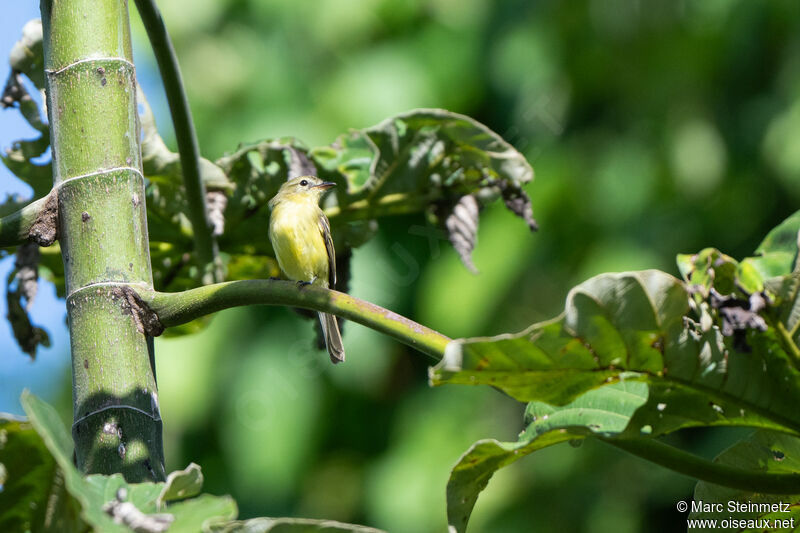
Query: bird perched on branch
(301, 237)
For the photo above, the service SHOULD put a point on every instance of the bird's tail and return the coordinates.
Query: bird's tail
(333, 339)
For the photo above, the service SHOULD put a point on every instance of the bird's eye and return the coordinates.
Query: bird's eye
(303, 183)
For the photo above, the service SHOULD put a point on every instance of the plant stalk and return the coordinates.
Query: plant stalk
(91, 105)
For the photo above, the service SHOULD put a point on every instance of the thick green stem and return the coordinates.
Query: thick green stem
(91, 104)
(178, 308)
(205, 243)
(728, 476)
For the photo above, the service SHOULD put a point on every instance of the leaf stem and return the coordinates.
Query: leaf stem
(719, 474)
(205, 243)
(178, 308)
(795, 328)
(789, 343)
(15, 228)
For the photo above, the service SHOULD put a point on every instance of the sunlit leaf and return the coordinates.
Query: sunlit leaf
(96, 495)
(632, 326)
(182, 484)
(422, 161)
(777, 253)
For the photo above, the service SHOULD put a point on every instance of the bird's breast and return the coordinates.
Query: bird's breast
(298, 243)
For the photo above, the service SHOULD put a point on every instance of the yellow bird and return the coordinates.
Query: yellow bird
(301, 237)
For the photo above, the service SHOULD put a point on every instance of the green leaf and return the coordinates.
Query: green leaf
(30, 481)
(48, 425)
(18, 160)
(201, 512)
(182, 484)
(776, 260)
(631, 326)
(96, 491)
(425, 151)
(606, 411)
(96, 495)
(290, 525)
(777, 253)
(763, 451)
(423, 161)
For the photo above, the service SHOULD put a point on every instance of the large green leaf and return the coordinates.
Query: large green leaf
(421, 161)
(605, 411)
(763, 451)
(632, 324)
(41, 490)
(422, 152)
(715, 350)
(95, 495)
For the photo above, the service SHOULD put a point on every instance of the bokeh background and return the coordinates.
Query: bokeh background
(655, 128)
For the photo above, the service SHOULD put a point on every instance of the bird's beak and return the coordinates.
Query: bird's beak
(325, 185)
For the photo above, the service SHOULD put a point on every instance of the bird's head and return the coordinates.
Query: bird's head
(302, 188)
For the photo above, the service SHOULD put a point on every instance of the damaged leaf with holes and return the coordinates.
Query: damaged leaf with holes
(726, 292)
(717, 350)
(634, 324)
(445, 164)
(757, 292)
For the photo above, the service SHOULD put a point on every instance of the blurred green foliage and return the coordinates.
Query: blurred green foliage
(655, 128)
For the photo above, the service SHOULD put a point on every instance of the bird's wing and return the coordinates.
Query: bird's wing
(325, 229)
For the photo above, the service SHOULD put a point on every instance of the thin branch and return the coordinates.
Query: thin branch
(719, 474)
(796, 327)
(205, 243)
(36, 221)
(178, 308)
(788, 342)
